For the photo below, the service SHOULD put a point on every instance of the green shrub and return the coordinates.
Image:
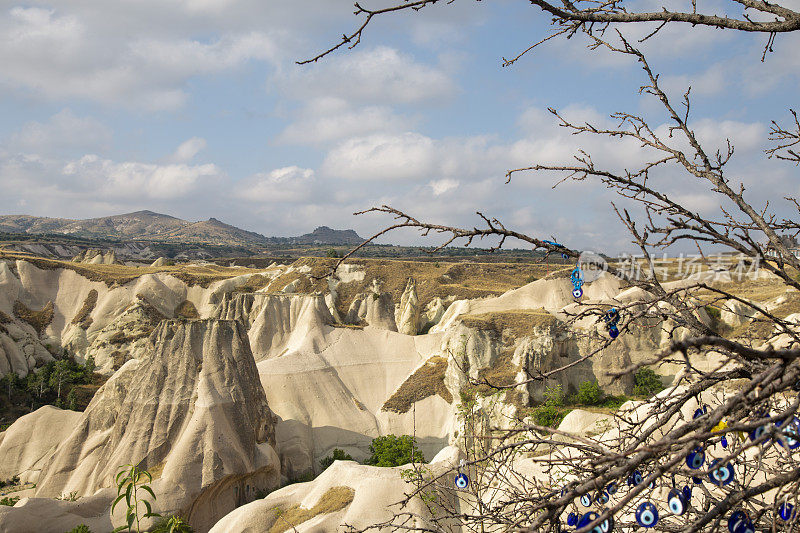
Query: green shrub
(554, 395)
(83, 528)
(549, 415)
(338, 455)
(646, 382)
(172, 524)
(9, 500)
(590, 393)
(392, 450)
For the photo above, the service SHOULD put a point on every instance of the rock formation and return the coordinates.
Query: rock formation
(407, 315)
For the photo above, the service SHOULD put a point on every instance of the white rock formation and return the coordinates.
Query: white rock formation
(407, 314)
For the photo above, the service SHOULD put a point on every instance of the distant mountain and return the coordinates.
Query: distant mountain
(150, 226)
(326, 235)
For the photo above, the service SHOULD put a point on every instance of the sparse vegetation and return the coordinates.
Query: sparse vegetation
(187, 311)
(590, 393)
(517, 323)
(9, 500)
(39, 320)
(427, 381)
(552, 412)
(83, 528)
(130, 480)
(647, 383)
(337, 455)
(335, 499)
(172, 524)
(391, 450)
(82, 318)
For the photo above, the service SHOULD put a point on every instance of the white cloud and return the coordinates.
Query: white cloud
(60, 54)
(379, 75)
(409, 156)
(324, 120)
(188, 150)
(287, 184)
(64, 130)
(441, 187)
(144, 180)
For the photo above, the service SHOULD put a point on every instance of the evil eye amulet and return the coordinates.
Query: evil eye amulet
(572, 519)
(586, 500)
(647, 515)
(786, 512)
(721, 475)
(756, 433)
(739, 522)
(577, 293)
(677, 502)
(462, 481)
(603, 527)
(602, 498)
(586, 519)
(700, 411)
(635, 478)
(696, 459)
(687, 492)
(613, 332)
(611, 488)
(724, 442)
(792, 428)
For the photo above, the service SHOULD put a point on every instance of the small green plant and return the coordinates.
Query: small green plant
(332, 253)
(590, 393)
(72, 400)
(338, 455)
(130, 480)
(9, 500)
(554, 395)
(172, 524)
(83, 528)
(391, 450)
(646, 382)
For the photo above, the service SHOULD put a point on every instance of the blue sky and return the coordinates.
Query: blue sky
(196, 108)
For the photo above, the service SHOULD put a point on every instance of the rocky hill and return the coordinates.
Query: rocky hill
(326, 235)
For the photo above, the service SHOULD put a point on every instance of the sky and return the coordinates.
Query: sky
(197, 109)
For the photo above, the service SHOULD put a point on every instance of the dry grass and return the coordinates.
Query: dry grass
(187, 311)
(517, 323)
(426, 381)
(38, 319)
(4, 318)
(113, 275)
(335, 499)
(82, 318)
(501, 374)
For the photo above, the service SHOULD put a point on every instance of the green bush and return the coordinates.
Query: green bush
(9, 500)
(549, 415)
(554, 395)
(646, 382)
(338, 455)
(392, 450)
(83, 528)
(172, 524)
(590, 393)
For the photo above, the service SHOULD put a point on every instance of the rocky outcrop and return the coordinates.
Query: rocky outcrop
(407, 314)
(94, 256)
(372, 308)
(191, 410)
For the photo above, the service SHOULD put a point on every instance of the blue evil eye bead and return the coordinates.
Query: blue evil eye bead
(635, 478)
(613, 332)
(696, 480)
(652, 484)
(577, 293)
(572, 519)
(687, 492)
(462, 481)
(786, 511)
(700, 411)
(602, 498)
(740, 522)
(758, 432)
(587, 519)
(724, 442)
(586, 500)
(605, 526)
(792, 428)
(611, 488)
(696, 459)
(647, 515)
(677, 502)
(721, 475)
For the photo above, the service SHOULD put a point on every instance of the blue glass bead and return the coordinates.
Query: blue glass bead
(647, 515)
(696, 459)
(786, 512)
(677, 502)
(721, 475)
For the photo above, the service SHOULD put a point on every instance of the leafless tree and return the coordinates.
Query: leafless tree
(737, 449)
